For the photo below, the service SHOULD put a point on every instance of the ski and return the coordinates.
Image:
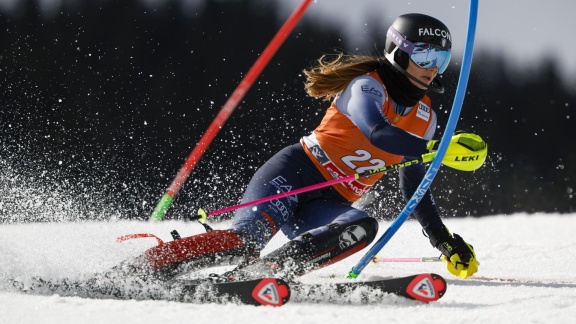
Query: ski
(425, 287)
(99, 286)
(257, 292)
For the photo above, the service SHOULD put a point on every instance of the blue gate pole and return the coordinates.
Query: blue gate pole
(444, 142)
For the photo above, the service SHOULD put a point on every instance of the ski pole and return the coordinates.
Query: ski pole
(423, 259)
(460, 158)
(202, 214)
(231, 104)
(444, 142)
(461, 164)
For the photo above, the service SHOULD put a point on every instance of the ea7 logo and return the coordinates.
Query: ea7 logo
(371, 90)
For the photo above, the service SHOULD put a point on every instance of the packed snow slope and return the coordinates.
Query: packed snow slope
(526, 275)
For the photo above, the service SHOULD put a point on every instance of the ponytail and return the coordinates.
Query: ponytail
(330, 76)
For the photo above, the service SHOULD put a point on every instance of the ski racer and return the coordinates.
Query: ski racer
(379, 114)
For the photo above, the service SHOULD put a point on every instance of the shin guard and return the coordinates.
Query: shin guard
(313, 250)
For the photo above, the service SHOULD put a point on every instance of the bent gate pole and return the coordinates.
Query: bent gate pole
(231, 104)
(445, 141)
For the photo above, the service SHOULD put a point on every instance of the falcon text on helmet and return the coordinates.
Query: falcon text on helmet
(434, 32)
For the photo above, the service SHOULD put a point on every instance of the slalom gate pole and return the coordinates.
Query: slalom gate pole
(444, 142)
(425, 158)
(231, 104)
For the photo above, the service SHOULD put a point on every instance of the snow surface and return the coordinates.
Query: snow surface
(526, 276)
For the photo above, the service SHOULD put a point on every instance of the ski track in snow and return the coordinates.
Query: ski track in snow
(526, 274)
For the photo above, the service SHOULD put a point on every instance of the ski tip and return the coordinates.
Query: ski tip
(271, 292)
(427, 287)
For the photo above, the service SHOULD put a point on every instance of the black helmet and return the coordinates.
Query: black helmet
(409, 33)
(420, 28)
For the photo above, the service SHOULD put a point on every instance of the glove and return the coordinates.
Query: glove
(459, 256)
(466, 151)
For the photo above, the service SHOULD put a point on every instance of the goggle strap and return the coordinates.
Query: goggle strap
(398, 39)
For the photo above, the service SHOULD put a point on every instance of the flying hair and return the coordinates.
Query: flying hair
(333, 72)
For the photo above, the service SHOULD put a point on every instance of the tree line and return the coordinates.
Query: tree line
(103, 102)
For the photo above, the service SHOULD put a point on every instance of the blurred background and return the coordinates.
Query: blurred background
(102, 101)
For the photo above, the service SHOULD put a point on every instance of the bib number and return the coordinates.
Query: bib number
(362, 156)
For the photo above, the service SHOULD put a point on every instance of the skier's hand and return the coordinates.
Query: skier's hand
(466, 151)
(459, 256)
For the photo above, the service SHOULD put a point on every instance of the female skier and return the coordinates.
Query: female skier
(379, 115)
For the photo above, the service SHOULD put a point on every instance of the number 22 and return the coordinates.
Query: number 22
(362, 156)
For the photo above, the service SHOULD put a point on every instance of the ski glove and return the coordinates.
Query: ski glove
(466, 151)
(459, 256)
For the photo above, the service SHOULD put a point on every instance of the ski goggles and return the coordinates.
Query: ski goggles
(425, 55)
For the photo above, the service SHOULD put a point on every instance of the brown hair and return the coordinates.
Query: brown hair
(330, 76)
